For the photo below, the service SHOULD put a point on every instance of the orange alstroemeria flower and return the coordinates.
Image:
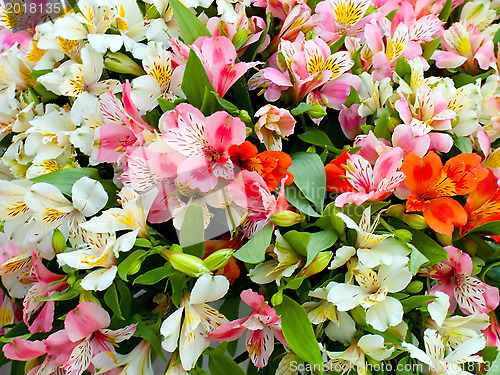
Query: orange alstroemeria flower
(483, 204)
(431, 184)
(335, 174)
(272, 166)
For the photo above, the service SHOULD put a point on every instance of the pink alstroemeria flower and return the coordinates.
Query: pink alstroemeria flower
(218, 56)
(309, 68)
(204, 142)
(464, 45)
(263, 326)
(454, 277)
(351, 121)
(372, 183)
(250, 191)
(278, 8)
(428, 112)
(274, 123)
(123, 129)
(45, 284)
(84, 337)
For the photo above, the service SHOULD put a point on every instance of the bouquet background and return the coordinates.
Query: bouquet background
(313, 185)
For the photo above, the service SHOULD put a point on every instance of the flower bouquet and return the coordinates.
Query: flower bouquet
(250, 186)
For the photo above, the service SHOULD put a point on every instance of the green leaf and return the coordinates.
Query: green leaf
(492, 227)
(70, 293)
(191, 27)
(426, 245)
(462, 79)
(445, 12)
(413, 302)
(416, 260)
(310, 177)
(38, 73)
(317, 137)
(298, 241)
(227, 105)
(241, 96)
(402, 67)
(125, 298)
(338, 43)
(496, 40)
(295, 197)
(130, 263)
(64, 180)
(464, 144)
(191, 235)
(220, 363)
(156, 275)
(320, 241)
(143, 331)
(404, 367)
(493, 366)
(298, 332)
(195, 80)
(382, 126)
(142, 242)
(178, 283)
(430, 47)
(353, 98)
(111, 299)
(254, 250)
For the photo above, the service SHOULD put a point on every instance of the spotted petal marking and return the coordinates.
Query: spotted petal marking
(366, 278)
(161, 71)
(348, 12)
(79, 359)
(189, 141)
(469, 294)
(338, 63)
(15, 264)
(458, 39)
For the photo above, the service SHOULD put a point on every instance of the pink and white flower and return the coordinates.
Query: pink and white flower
(274, 123)
(263, 325)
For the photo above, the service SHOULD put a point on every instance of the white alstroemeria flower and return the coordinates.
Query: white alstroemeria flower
(382, 311)
(137, 362)
(374, 249)
(131, 216)
(48, 138)
(51, 208)
(91, 23)
(373, 94)
(441, 363)
(163, 27)
(12, 200)
(100, 250)
(454, 329)
(160, 80)
(76, 80)
(199, 320)
(341, 326)
(354, 356)
(224, 7)
(284, 264)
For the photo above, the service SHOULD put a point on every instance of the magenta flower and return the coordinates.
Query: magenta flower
(263, 325)
(454, 277)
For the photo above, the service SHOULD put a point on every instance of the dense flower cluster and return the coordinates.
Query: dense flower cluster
(319, 179)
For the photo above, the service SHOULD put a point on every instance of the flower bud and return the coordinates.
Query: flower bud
(218, 259)
(414, 287)
(415, 221)
(277, 298)
(317, 111)
(240, 38)
(396, 210)
(58, 241)
(318, 264)
(121, 63)
(444, 239)
(286, 218)
(403, 235)
(245, 117)
(185, 263)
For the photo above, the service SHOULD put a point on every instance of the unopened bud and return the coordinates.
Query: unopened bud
(277, 298)
(403, 235)
(318, 264)
(286, 218)
(444, 239)
(185, 263)
(218, 259)
(58, 241)
(414, 287)
(245, 117)
(240, 38)
(396, 210)
(415, 221)
(121, 63)
(316, 111)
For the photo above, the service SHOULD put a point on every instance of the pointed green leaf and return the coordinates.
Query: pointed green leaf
(155, 275)
(192, 233)
(310, 177)
(298, 241)
(191, 27)
(111, 299)
(195, 81)
(295, 197)
(220, 363)
(255, 249)
(320, 241)
(298, 332)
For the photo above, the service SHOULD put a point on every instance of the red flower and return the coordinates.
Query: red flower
(335, 174)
